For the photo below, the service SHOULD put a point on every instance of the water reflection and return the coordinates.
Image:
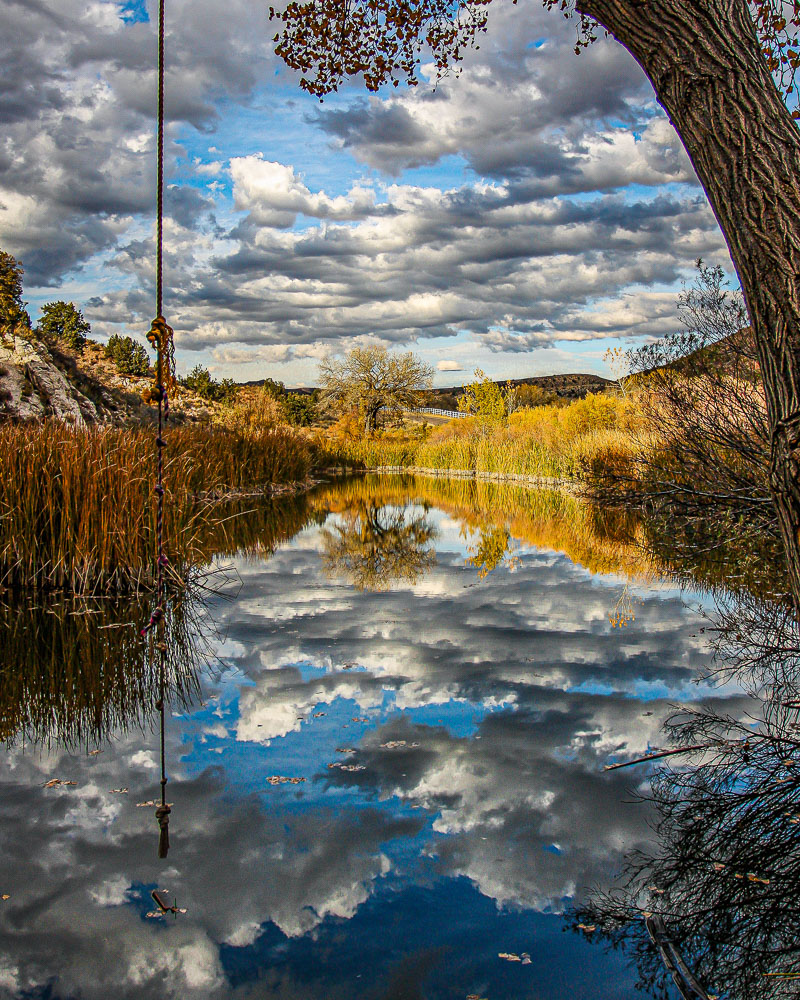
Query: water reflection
(391, 777)
(375, 545)
(723, 878)
(75, 670)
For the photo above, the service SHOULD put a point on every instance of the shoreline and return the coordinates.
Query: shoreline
(561, 485)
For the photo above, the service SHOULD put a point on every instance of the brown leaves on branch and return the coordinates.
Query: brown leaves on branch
(327, 40)
(383, 40)
(777, 23)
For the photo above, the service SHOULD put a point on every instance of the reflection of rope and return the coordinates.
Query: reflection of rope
(161, 339)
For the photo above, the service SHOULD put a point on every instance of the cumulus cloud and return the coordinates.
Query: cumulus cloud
(77, 147)
(448, 366)
(274, 196)
(577, 194)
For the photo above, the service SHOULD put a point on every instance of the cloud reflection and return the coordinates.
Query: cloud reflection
(472, 719)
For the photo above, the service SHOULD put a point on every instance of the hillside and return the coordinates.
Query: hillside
(39, 380)
(564, 386)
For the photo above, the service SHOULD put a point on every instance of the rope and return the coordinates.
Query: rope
(161, 339)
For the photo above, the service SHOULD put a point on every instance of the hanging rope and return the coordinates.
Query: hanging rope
(161, 339)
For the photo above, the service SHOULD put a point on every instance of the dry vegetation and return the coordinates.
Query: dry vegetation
(552, 441)
(77, 510)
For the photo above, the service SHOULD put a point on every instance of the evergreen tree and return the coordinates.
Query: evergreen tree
(63, 321)
(12, 309)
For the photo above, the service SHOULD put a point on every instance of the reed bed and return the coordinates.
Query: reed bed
(77, 508)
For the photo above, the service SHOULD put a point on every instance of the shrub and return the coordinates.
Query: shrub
(301, 409)
(129, 357)
(252, 411)
(199, 380)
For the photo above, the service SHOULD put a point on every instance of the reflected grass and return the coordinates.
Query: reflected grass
(75, 670)
(602, 541)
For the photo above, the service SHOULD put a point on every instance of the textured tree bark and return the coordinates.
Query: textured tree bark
(704, 61)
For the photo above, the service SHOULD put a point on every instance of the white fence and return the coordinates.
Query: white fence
(452, 414)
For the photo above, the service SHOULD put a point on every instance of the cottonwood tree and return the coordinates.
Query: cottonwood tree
(370, 378)
(721, 69)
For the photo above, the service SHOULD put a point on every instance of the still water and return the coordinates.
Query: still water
(385, 737)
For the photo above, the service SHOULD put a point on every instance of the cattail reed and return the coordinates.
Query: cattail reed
(76, 510)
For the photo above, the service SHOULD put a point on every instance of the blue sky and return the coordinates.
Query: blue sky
(521, 217)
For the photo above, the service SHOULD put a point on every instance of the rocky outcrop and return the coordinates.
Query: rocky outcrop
(49, 381)
(32, 386)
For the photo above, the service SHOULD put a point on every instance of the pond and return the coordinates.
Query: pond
(385, 738)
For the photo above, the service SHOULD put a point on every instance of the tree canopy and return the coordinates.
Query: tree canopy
(129, 357)
(384, 40)
(483, 398)
(370, 378)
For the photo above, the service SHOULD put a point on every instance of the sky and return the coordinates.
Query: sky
(522, 217)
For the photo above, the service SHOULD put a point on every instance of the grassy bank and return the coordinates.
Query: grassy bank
(545, 441)
(77, 508)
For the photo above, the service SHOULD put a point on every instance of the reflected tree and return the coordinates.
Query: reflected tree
(376, 546)
(724, 877)
(490, 548)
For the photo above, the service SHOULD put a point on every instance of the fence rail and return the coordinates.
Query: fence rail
(452, 414)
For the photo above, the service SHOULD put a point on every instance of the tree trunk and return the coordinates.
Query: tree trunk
(704, 60)
(371, 420)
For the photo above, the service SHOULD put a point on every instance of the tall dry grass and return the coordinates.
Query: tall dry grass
(77, 510)
(553, 441)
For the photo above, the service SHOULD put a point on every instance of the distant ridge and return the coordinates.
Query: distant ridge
(566, 386)
(571, 386)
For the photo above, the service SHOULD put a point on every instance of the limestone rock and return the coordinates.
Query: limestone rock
(32, 386)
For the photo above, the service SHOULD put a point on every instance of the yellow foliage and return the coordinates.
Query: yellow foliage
(253, 412)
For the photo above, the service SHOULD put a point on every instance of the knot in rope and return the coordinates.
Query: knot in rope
(162, 815)
(162, 339)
